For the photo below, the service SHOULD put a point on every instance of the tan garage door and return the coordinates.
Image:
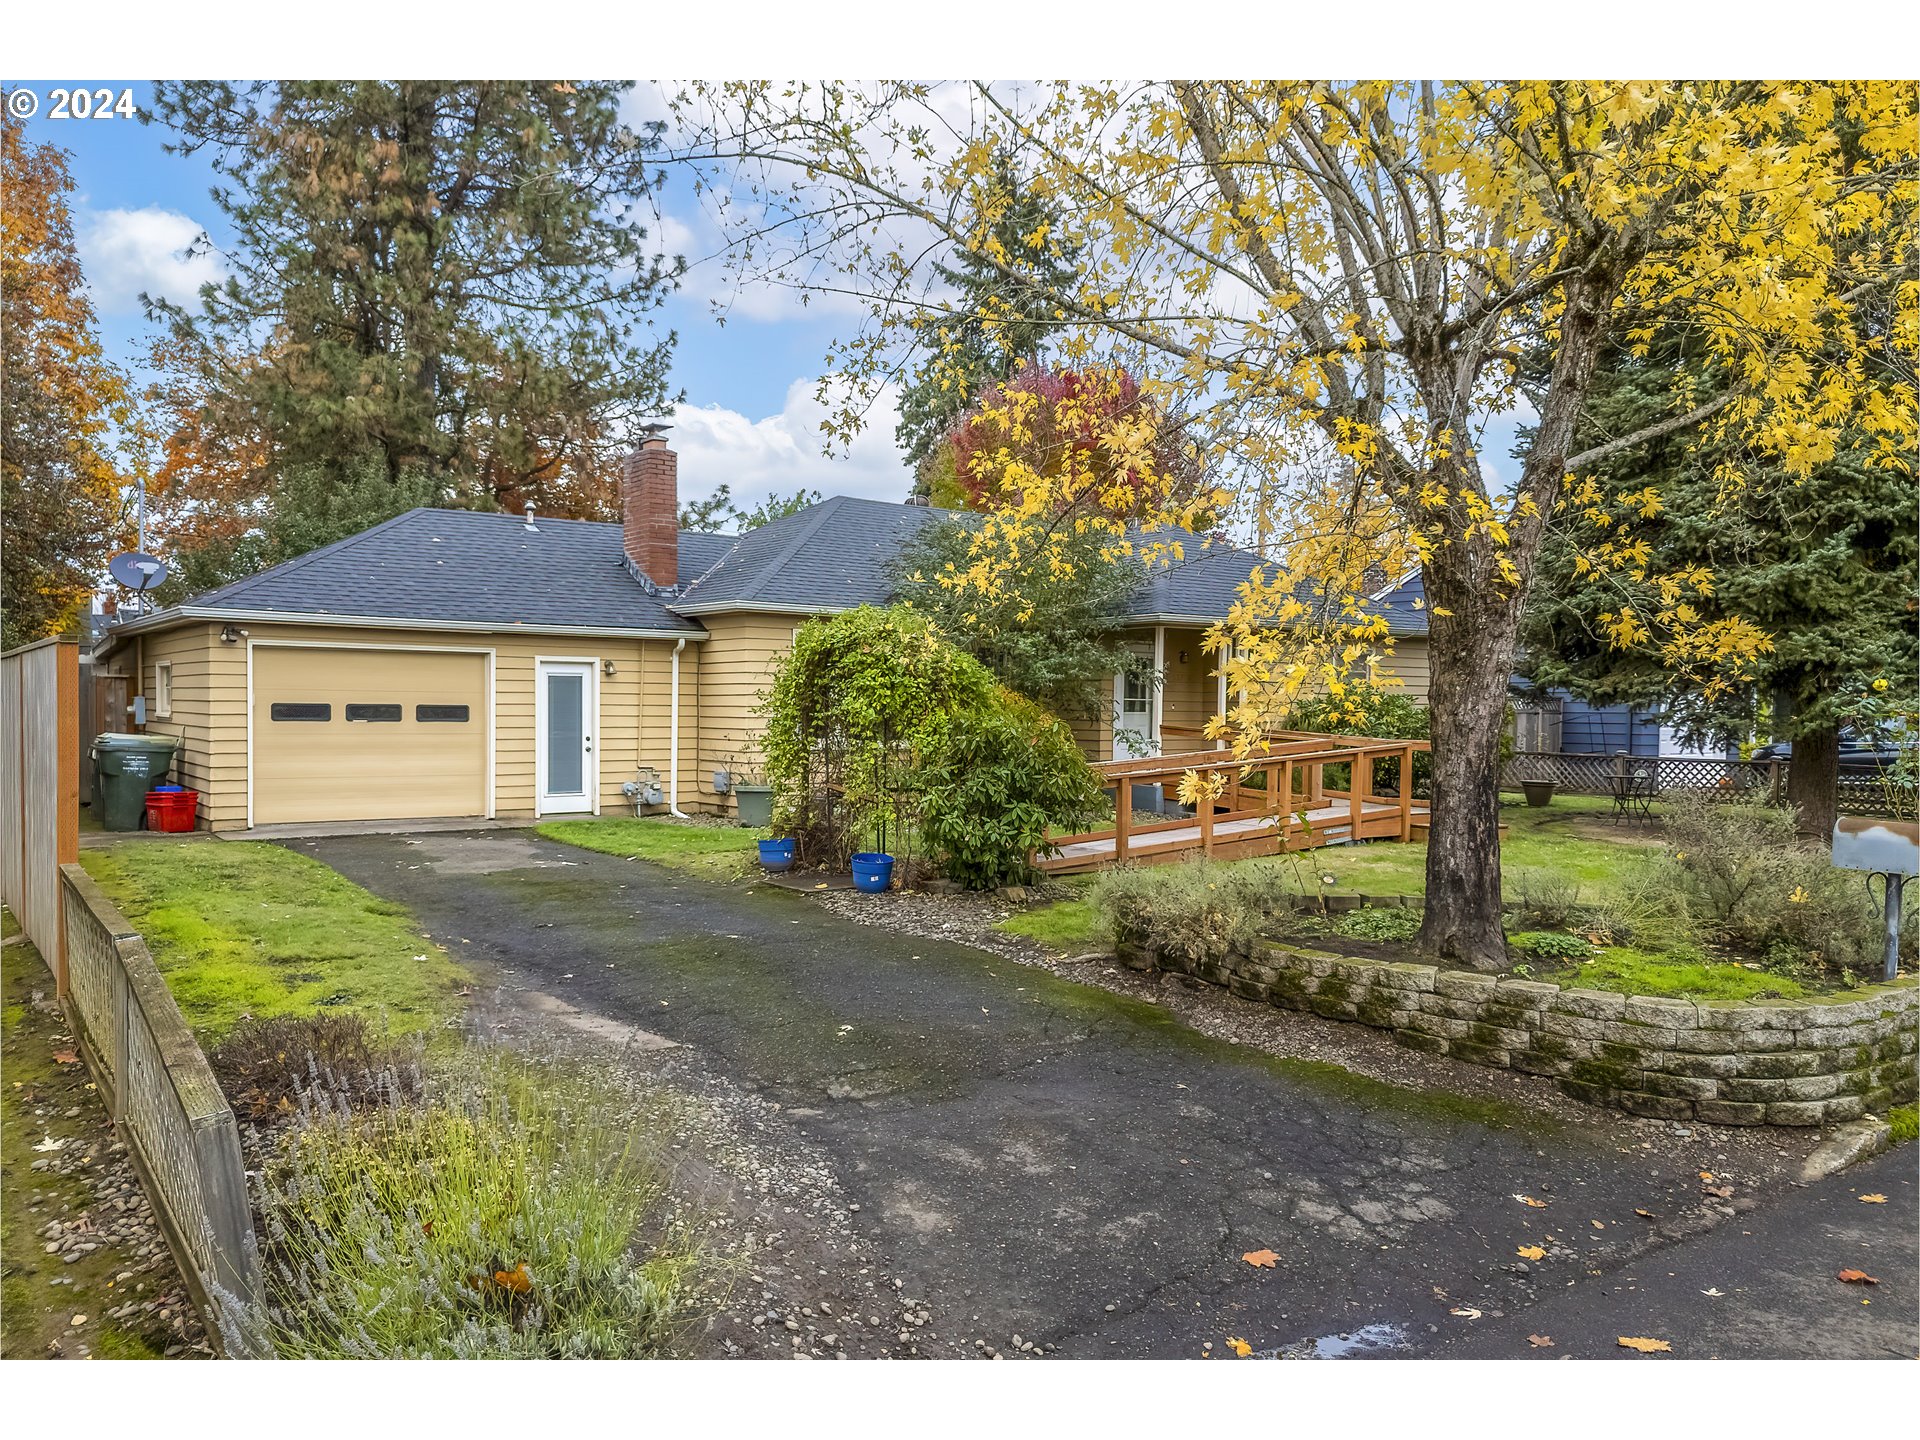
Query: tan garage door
(367, 734)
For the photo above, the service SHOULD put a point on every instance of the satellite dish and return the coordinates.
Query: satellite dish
(137, 570)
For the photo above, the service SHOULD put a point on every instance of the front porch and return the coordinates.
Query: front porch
(1369, 797)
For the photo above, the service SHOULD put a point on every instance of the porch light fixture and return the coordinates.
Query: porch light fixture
(230, 634)
(607, 668)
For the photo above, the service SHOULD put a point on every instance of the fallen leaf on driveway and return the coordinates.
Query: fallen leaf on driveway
(1531, 1252)
(1540, 1342)
(1716, 1292)
(1873, 1199)
(1645, 1214)
(1529, 1200)
(1858, 1277)
(1723, 1192)
(1265, 1259)
(1598, 1224)
(1239, 1346)
(1644, 1344)
(1465, 1312)
(65, 1057)
(1707, 1175)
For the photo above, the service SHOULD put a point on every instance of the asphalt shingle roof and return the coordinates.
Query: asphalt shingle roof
(830, 556)
(471, 567)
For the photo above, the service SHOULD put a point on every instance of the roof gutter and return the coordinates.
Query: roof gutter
(673, 739)
(161, 618)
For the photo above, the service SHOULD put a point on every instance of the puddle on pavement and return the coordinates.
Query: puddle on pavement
(1358, 1344)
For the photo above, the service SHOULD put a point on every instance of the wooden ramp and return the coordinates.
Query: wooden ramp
(1277, 800)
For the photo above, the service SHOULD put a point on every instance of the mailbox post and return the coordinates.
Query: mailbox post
(1889, 849)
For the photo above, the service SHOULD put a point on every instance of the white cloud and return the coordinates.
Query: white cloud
(784, 452)
(125, 252)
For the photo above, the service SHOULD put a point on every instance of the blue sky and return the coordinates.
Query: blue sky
(750, 419)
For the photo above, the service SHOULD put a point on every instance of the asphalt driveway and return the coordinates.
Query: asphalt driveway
(1060, 1162)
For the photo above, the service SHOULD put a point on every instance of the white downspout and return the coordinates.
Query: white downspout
(673, 739)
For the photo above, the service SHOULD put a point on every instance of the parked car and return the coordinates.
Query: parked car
(1857, 752)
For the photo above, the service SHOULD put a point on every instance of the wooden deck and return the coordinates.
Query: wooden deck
(1276, 800)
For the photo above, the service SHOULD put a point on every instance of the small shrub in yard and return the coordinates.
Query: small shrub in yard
(1374, 922)
(518, 1211)
(1200, 909)
(1546, 901)
(1550, 945)
(264, 1066)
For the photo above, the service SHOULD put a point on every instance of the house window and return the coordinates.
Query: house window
(426, 714)
(1136, 699)
(373, 712)
(300, 710)
(162, 689)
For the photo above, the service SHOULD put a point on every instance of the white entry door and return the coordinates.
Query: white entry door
(566, 717)
(1136, 732)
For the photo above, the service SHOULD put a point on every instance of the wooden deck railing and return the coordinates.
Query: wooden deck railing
(1277, 798)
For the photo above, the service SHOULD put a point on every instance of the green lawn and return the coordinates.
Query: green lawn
(244, 928)
(1569, 841)
(710, 851)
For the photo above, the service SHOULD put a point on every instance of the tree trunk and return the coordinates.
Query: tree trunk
(1471, 650)
(1813, 782)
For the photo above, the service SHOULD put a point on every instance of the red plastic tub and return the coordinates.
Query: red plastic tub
(172, 811)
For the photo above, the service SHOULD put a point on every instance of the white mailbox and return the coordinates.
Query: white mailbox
(1889, 849)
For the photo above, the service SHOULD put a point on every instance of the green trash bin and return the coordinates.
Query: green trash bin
(125, 767)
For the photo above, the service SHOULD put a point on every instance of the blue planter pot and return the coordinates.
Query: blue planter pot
(872, 872)
(776, 855)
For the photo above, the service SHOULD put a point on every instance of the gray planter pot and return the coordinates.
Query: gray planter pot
(1538, 792)
(756, 805)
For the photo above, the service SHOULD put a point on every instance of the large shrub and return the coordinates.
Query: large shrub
(1380, 714)
(1000, 776)
(880, 730)
(1741, 874)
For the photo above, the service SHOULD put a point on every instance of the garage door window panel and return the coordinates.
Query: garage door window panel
(383, 713)
(302, 710)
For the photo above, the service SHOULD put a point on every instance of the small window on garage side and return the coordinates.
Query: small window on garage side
(301, 710)
(373, 712)
(162, 689)
(440, 714)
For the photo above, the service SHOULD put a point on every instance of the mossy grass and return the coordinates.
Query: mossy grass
(1904, 1122)
(1066, 927)
(713, 852)
(250, 929)
(1635, 972)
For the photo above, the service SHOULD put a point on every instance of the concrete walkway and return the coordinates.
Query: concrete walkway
(1048, 1159)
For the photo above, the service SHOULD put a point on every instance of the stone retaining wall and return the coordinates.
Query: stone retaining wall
(1765, 1062)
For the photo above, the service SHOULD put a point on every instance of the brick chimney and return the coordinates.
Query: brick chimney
(650, 508)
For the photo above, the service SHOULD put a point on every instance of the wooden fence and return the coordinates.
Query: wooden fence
(39, 787)
(1669, 776)
(168, 1107)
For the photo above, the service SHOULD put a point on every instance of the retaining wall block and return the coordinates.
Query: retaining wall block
(1527, 994)
(1424, 1024)
(1421, 1041)
(1684, 1087)
(1404, 976)
(1535, 1062)
(1730, 1112)
(1463, 985)
(1248, 989)
(1499, 1036)
(1671, 1014)
(1513, 1017)
(1656, 1107)
(1739, 1088)
(1580, 1027)
(1592, 1004)
(1842, 1108)
(1642, 1037)
(1782, 1064)
(1703, 1066)
(1453, 1009)
(1796, 1112)
(1333, 1009)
